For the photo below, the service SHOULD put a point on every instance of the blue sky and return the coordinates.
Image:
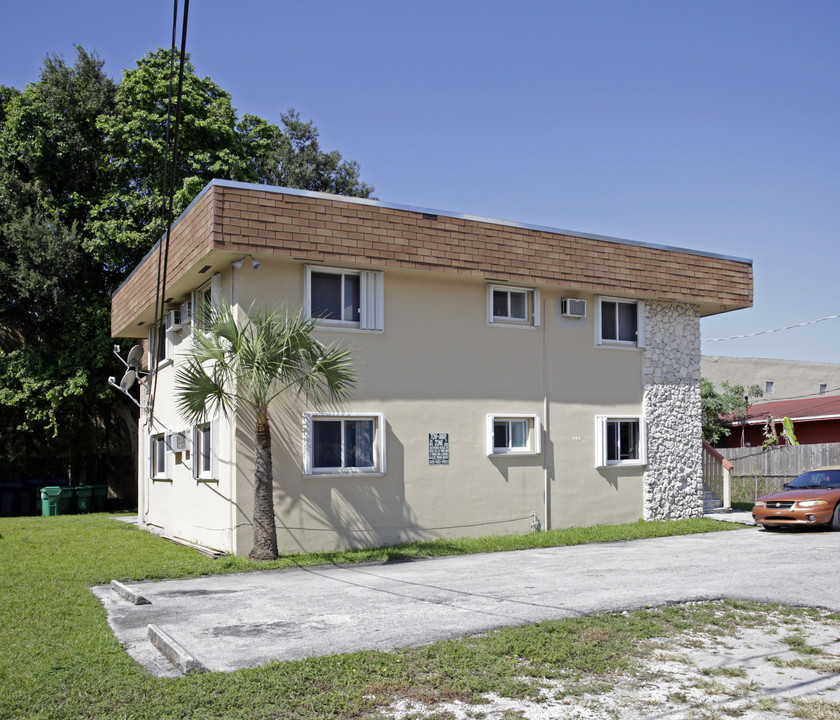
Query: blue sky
(712, 125)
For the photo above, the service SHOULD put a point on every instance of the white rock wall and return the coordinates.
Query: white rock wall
(671, 373)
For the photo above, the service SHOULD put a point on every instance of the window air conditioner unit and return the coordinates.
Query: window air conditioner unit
(178, 441)
(573, 307)
(173, 321)
(186, 313)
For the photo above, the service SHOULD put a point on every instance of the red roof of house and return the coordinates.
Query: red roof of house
(801, 410)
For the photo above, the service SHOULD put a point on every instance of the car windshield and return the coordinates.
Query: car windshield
(817, 479)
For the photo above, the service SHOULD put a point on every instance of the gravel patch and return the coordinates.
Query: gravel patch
(787, 668)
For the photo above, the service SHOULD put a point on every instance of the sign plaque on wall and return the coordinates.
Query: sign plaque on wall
(438, 448)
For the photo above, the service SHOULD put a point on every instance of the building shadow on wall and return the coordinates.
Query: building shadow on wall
(335, 512)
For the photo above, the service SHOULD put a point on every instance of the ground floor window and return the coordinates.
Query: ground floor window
(342, 443)
(513, 434)
(620, 441)
(158, 465)
(204, 451)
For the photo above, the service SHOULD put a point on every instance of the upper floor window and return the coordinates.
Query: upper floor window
(345, 298)
(513, 306)
(337, 443)
(161, 346)
(205, 466)
(620, 322)
(823, 388)
(768, 387)
(202, 303)
(508, 434)
(620, 441)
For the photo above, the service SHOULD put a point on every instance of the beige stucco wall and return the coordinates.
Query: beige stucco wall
(199, 511)
(791, 379)
(439, 368)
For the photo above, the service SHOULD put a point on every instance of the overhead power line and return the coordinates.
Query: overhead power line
(766, 332)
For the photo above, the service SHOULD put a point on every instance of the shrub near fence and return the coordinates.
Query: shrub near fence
(759, 471)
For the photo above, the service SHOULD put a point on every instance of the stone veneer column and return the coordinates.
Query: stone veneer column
(673, 478)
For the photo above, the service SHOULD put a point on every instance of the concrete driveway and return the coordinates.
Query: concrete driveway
(229, 622)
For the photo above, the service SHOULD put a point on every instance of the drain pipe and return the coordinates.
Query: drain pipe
(546, 423)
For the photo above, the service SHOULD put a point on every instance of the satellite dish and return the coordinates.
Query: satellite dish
(134, 356)
(128, 380)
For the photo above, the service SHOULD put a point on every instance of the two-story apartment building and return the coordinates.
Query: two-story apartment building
(509, 376)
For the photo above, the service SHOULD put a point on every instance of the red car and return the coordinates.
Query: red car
(810, 499)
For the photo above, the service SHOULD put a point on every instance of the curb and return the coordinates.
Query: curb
(128, 594)
(173, 652)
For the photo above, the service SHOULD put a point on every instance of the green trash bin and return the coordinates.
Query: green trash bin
(66, 501)
(84, 498)
(100, 496)
(49, 500)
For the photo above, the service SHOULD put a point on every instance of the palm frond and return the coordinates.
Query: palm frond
(257, 359)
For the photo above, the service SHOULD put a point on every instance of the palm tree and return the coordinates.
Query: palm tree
(249, 364)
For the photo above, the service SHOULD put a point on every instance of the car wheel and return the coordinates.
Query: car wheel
(768, 528)
(835, 520)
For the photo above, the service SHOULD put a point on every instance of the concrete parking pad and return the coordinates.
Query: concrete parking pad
(227, 622)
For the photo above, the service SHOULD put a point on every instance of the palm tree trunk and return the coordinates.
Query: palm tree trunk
(265, 531)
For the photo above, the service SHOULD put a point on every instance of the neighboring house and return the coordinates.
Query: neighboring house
(778, 379)
(510, 376)
(815, 420)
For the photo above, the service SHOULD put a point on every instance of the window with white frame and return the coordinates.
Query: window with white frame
(202, 302)
(205, 451)
(513, 306)
(513, 434)
(345, 298)
(161, 347)
(158, 457)
(620, 441)
(337, 443)
(620, 322)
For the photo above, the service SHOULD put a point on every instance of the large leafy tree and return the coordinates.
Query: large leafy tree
(249, 365)
(82, 200)
(53, 312)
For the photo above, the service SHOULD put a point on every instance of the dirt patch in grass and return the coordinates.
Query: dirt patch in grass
(785, 665)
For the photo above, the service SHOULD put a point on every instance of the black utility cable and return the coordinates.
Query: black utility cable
(173, 167)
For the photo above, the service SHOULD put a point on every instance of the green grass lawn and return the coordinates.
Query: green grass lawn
(59, 659)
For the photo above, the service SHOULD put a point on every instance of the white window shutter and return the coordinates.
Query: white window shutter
(216, 289)
(600, 441)
(195, 453)
(640, 324)
(537, 308)
(381, 437)
(307, 290)
(642, 441)
(307, 443)
(598, 339)
(151, 457)
(214, 449)
(489, 434)
(372, 292)
(537, 442)
(150, 359)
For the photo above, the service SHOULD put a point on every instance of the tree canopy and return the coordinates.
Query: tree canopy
(82, 200)
(730, 401)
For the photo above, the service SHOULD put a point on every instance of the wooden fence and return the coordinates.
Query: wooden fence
(759, 471)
